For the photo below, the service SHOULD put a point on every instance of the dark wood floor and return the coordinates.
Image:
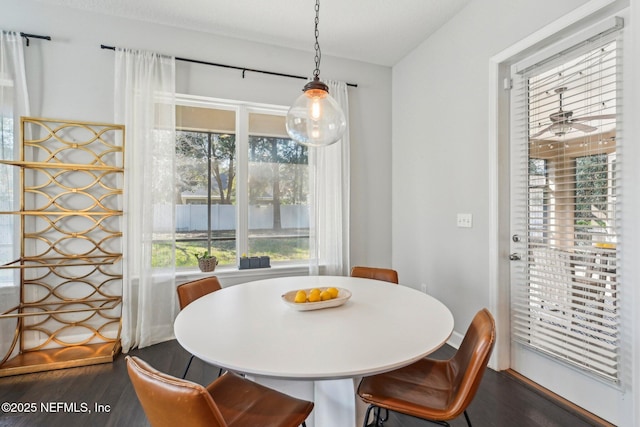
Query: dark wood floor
(501, 399)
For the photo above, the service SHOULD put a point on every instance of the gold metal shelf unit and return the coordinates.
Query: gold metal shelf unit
(67, 281)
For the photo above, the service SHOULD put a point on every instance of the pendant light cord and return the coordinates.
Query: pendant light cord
(316, 72)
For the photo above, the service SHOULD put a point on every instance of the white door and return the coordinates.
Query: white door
(565, 181)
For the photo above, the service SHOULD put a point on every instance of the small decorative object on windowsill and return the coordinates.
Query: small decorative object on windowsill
(254, 262)
(206, 262)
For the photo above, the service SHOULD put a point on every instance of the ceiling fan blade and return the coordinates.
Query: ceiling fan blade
(582, 127)
(535, 135)
(600, 117)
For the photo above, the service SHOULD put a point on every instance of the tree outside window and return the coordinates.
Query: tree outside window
(208, 153)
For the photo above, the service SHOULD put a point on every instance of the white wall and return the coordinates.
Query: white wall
(441, 162)
(440, 149)
(70, 77)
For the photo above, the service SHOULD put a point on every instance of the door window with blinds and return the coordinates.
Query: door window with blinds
(567, 303)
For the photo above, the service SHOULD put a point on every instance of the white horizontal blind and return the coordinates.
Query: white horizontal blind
(567, 304)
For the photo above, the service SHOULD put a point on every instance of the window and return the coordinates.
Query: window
(595, 199)
(538, 197)
(278, 191)
(8, 247)
(242, 185)
(567, 305)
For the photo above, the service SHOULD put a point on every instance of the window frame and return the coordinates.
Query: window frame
(242, 110)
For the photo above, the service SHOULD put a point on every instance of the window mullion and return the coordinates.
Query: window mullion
(242, 181)
(209, 186)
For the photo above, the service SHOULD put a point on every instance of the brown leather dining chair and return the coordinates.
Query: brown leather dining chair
(229, 401)
(386, 274)
(435, 390)
(191, 291)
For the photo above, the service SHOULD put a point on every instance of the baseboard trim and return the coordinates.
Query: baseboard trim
(559, 400)
(455, 340)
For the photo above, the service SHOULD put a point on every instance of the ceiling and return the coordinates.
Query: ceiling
(374, 31)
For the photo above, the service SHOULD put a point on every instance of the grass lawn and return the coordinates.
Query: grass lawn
(294, 246)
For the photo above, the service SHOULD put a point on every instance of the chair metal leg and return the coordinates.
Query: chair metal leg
(189, 364)
(187, 368)
(366, 416)
(467, 417)
(381, 419)
(441, 423)
(385, 417)
(377, 419)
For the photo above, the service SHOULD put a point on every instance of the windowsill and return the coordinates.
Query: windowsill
(232, 275)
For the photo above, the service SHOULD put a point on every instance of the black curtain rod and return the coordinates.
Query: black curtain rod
(243, 69)
(28, 36)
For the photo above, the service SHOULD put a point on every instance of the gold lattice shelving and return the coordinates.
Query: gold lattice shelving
(70, 264)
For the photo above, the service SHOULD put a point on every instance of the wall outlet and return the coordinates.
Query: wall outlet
(464, 220)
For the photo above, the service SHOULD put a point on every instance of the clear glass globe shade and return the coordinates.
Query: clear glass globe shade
(315, 119)
(560, 129)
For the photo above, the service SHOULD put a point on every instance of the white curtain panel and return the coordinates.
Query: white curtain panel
(145, 104)
(330, 193)
(14, 103)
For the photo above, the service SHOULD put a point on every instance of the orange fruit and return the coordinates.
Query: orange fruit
(314, 296)
(334, 292)
(300, 297)
(325, 295)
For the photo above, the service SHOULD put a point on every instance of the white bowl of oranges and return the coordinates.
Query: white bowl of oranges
(316, 298)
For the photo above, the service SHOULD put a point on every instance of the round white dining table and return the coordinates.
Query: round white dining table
(318, 355)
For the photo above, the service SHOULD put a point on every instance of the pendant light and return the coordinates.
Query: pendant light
(315, 119)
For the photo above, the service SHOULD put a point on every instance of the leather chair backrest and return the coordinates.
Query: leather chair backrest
(470, 361)
(169, 401)
(191, 291)
(386, 274)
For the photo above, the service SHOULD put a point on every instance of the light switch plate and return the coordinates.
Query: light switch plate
(464, 220)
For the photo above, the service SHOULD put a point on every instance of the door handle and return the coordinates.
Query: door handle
(515, 257)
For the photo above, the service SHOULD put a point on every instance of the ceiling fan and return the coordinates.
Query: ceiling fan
(562, 121)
